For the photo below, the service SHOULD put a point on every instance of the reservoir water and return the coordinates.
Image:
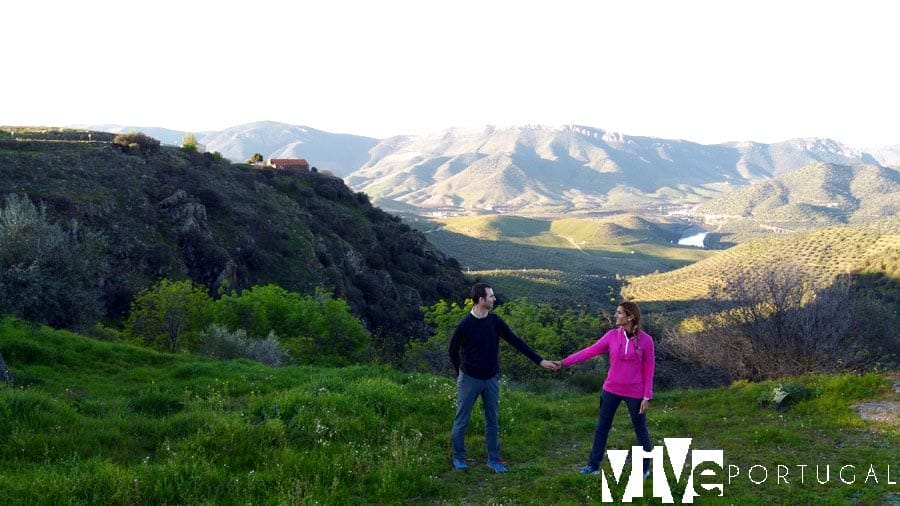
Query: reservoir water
(696, 238)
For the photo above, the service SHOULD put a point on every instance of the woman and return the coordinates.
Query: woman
(630, 379)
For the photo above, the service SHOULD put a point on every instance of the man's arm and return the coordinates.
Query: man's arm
(510, 337)
(453, 348)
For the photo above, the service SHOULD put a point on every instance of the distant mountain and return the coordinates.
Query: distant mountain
(888, 155)
(817, 195)
(519, 169)
(523, 169)
(166, 136)
(339, 154)
(771, 160)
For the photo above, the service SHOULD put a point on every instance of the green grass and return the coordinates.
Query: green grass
(90, 422)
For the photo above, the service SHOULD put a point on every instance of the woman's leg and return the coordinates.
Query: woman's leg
(608, 405)
(639, 421)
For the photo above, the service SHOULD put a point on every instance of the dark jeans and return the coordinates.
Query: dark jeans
(608, 405)
(467, 391)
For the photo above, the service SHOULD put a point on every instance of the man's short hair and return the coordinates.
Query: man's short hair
(479, 291)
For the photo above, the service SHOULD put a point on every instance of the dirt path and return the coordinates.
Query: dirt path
(886, 411)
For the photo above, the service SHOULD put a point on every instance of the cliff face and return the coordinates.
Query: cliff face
(176, 215)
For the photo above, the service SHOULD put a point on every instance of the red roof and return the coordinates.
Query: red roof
(289, 163)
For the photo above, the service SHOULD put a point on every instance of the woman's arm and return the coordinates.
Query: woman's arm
(601, 346)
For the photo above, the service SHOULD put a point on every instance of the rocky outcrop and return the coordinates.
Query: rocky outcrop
(6, 376)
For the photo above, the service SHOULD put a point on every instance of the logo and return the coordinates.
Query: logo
(695, 472)
(681, 474)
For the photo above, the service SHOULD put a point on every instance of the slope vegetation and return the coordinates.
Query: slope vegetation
(832, 252)
(169, 213)
(572, 260)
(818, 195)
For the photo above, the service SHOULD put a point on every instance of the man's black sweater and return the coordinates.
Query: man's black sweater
(475, 345)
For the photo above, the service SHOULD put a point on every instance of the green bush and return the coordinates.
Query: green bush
(552, 333)
(48, 273)
(315, 329)
(169, 315)
(220, 343)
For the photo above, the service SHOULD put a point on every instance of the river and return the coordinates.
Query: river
(696, 238)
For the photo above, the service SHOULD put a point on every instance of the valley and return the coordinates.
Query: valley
(590, 261)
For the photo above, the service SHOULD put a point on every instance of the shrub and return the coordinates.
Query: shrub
(48, 274)
(168, 315)
(137, 141)
(765, 324)
(785, 395)
(220, 343)
(313, 329)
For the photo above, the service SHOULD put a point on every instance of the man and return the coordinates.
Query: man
(475, 353)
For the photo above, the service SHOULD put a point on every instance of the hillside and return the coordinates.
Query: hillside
(86, 422)
(814, 196)
(175, 214)
(831, 252)
(570, 260)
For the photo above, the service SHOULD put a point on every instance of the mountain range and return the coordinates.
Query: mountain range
(816, 195)
(527, 169)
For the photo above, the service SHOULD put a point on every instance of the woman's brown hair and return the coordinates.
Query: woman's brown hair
(633, 312)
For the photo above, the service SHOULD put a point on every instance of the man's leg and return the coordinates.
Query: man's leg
(490, 398)
(467, 390)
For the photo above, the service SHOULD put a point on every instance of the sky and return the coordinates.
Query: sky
(703, 71)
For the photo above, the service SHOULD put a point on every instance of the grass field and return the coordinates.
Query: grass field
(90, 422)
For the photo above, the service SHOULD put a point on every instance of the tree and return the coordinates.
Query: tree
(256, 158)
(550, 332)
(169, 315)
(137, 141)
(48, 274)
(775, 322)
(189, 143)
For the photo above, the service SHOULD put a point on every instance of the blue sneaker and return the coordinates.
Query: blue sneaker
(497, 466)
(460, 464)
(589, 469)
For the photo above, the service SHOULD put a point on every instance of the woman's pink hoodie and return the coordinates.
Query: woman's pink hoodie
(631, 362)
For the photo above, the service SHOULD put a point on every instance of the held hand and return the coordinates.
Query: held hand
(550, 365)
